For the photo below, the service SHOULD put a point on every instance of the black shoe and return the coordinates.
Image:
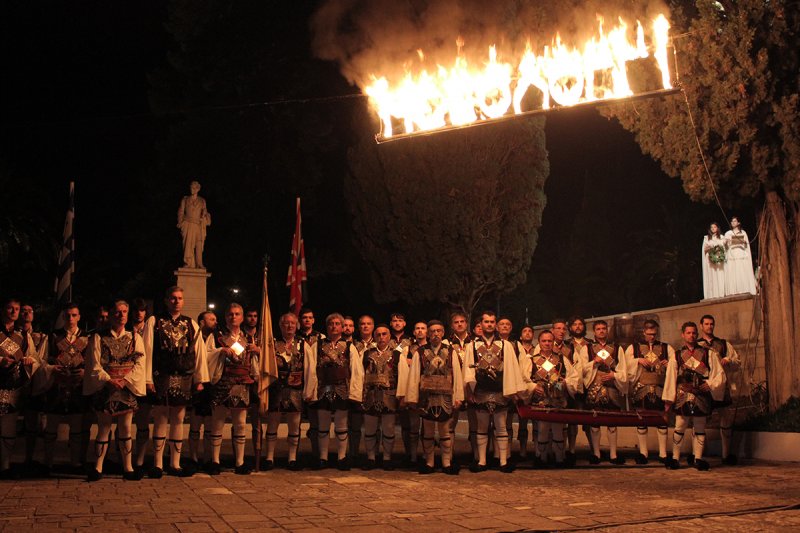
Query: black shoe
(294, 466)
(77, 470)
(451, 470)
(617, 461)
(594, 460)
(369, 464)
(475, 467)
(388, 465)
(730, 460)
(155, 473)
(537, 462)
(663, 460)
(322, 464)
(94, 475)
(506, 468)
(425, 469)
(33, 469)
(133, 475)
(570, 459)
(690, 459)
(179, 472)
(642, 459)
(343, 464)
(671, 464)
(562, 464)
(701, 465)
(242, 470)
(267, 465)
(213, 469)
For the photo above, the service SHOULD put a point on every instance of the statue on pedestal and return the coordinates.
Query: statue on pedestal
(193, 217)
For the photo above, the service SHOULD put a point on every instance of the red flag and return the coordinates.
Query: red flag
(297, 268)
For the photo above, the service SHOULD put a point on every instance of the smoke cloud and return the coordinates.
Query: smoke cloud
(382, 37)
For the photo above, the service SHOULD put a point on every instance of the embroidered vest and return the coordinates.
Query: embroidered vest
(333, 362)
(380, 368)
(436, 370)
(118, 354)
(291, 359)
(173, 345)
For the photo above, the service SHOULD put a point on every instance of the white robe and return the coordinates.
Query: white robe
(513, 383)
(739, 277)
(356, 375)
(412, 384)
(95, 377)
(635, 369)
(201, 355)
(713, 273)
(716, 378)
(572, 379)
(589, 370)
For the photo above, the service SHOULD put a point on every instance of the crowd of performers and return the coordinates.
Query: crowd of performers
(359, 376)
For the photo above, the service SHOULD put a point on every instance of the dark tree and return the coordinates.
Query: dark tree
(450, 217)
(739, 67)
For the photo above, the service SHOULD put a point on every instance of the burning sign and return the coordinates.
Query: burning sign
(430, 98)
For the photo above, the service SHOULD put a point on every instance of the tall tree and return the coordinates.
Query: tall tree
(738, 65)
(451, 217)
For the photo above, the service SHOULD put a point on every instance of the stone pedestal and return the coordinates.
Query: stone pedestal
(193, 283)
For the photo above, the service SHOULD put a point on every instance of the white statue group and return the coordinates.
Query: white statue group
(727, 262)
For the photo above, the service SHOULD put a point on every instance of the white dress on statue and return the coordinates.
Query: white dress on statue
(713, 273)
(739, 277)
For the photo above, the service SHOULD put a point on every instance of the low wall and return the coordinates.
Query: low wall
(738, 319)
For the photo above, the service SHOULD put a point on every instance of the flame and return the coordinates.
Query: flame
(466, 93)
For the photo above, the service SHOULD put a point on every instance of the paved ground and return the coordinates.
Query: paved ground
(629, 498)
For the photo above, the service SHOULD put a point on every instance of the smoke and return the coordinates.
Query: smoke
(382, 37)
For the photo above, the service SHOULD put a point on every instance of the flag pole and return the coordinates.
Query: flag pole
(268, 366)
(66, 261)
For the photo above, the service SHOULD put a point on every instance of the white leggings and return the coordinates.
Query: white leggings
(543, 444)
(292, 435)
(124, 423)
(500, 432)
(387, 435)
(238, 435)
(75, 423)
(446, 444)
(163, 415)
(698, 434)
(339, 428)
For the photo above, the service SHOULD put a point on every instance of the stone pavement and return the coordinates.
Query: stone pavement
(741, 498)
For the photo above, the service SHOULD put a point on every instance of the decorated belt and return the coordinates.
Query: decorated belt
(119, 371)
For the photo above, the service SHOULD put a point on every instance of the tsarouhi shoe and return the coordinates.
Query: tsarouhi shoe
(369, 464)
(672, 464)
(294, 466)
(242, 470)
(451, 470)
(213, 469)
(506, 468)
(617, 461)
(701, 465)
(267, 465)
(730, 460)
(133, 475)
(425, 469)
(594, 460)
(641, 459)
(155, 473)
(343, 464)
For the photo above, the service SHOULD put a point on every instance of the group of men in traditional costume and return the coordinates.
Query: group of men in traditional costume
(358, 376)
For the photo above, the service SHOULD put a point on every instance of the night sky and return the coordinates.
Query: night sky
(85, 98)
